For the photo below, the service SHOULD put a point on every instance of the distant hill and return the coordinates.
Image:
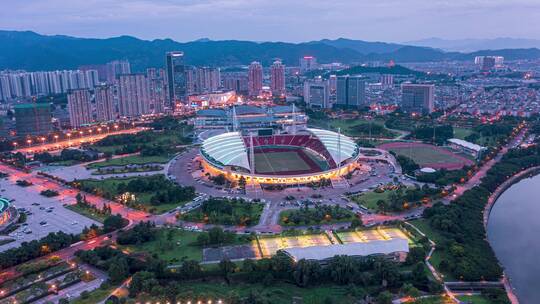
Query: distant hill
(472, 45)
(31, 51)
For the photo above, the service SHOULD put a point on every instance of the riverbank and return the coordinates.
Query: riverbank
(489, 206)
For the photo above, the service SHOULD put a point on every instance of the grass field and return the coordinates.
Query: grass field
(279, 162)
(131, 160)
(461, 133)
(94, 296)
(356, 127)
(428, 155)
(370, 199)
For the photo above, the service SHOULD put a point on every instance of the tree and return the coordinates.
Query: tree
(226, 267)
(142, 281)
(118, 270)
(113, 222)
(203, 239)
(356, 222)
(306, 272)
(384, 297)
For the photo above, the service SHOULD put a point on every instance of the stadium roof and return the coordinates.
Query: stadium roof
(247, 109)
(227, 149)
(466, 144)
(320, 253)
(332, 141)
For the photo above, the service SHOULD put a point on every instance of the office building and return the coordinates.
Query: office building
(417, 98)
(176, 78)
(317, 93)
(255, 79)
(33, 119)
(105, 108)
(134, 99)
(350, 92)
(157, 90)
(308, 63)
(79, 108)
(277, 78)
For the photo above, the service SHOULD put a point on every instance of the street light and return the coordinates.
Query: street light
(29, 142)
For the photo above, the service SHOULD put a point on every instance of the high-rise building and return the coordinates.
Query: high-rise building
(207, 80)
(317, 93)
(105, 109)
(176, 77)
(350, 92)
(157, 90)
(417, 98)
(277, 78)
(33, 119)
(133, 95)
(387, 80)
(255, 79)
(308, 63)
(237, 81)
(79, 108)
(117, 68)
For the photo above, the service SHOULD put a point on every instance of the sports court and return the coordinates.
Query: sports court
(426, 155)
(270, 245)
(276, 161)
(364, 236)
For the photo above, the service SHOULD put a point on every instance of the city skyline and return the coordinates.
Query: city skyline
(391, 21)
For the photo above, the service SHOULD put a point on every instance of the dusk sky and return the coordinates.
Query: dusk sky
(276, 20)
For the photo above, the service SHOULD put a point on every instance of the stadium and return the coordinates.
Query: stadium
(307, 156)
(5, 211)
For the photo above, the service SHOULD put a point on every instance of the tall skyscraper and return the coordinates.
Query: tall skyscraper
(417, 98)
(277, 78)
(237, 81)
(255, 79)
(33, 119)
(116, 68)
(176, 77)
(105, 109)
(308, 63)
(79, 108)
(317, 93)
(350, 92)
(133, 95)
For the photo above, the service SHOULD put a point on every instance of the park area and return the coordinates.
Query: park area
(358, 127)
(154, 194)
(426, 155)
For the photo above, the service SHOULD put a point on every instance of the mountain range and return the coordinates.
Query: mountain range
(32, 51)
(471, 45)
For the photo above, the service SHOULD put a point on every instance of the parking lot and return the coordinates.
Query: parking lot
(45, 215)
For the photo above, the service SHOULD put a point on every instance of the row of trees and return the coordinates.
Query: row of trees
(66, 155)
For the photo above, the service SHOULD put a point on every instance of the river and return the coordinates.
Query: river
(514, 234)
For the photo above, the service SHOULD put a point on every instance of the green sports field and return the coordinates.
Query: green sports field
(279, 162)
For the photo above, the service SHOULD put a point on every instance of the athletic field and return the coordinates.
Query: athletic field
(426, 155)
(270, 245)
(277, 161)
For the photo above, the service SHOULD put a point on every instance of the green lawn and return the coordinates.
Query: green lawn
(88, 212)
(423, 155)
(183, 245)
(94, 296)
(131, 160)
(230, 213)
(370, 199)
(475, 299)
(461, 133)
(281, 293)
